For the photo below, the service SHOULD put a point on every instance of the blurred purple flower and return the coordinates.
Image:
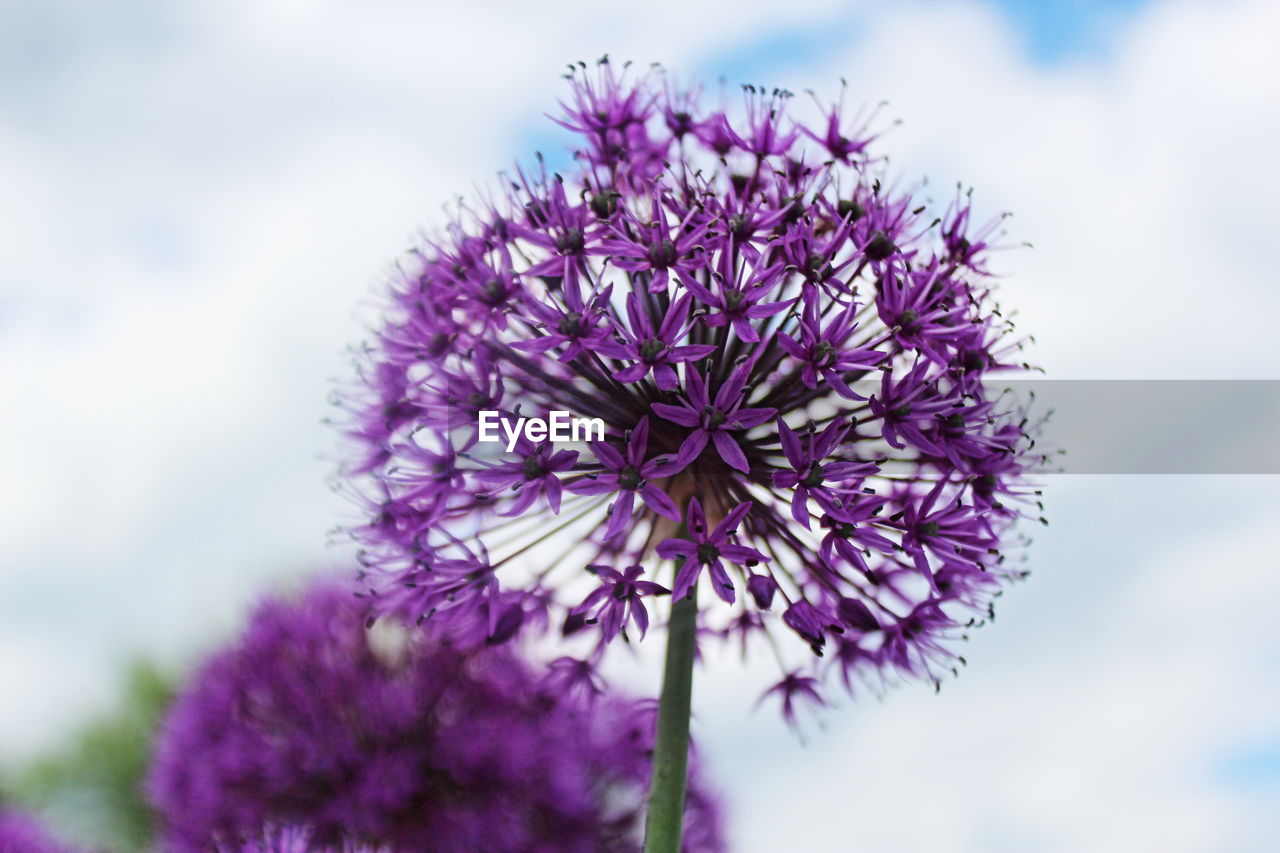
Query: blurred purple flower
(396, 741)
(289, 839)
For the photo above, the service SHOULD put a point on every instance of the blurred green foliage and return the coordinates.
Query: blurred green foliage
(90, 790)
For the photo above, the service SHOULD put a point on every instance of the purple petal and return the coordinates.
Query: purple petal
(692, 447)
(682, 415)
(730, 452)
(657, 500)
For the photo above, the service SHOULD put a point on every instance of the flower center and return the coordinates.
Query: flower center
(604, 204)
(630, 478)
(974, 360)
(733, 299)
(437, 343)
(814, 477)
(879, 247)
(652, 348)
(929, 528)
(824, 354)
(533, 468)
(849, 209)
(494, 291)
(662, 255)
(571, 325)
(708, 553)
(713, 417)
(817, 266)
(907, 320)
(571, 242)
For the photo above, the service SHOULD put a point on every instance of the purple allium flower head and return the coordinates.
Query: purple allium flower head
(786, 353)
(315, 733)
(21, 833)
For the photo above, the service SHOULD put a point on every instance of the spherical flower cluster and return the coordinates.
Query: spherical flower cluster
(20, 833)
(353, 737)
(787, 357)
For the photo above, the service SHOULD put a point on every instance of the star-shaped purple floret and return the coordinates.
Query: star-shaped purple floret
(715, 420)
(709, 550)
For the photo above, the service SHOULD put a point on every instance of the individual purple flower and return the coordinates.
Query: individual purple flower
(716, 419)
(21, 833)
(793, 691)
(312, 733)
(573, 330)
(706, 548)
(781, 345)
(534, 472)
(659, 245)
(631, 475)
(618, 600)
(815, 474)
(739, 303)
(824, 350)
(653, 347)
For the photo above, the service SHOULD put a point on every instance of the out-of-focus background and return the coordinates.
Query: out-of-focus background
(196, 199)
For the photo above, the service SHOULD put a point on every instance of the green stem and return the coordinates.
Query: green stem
(665, 822)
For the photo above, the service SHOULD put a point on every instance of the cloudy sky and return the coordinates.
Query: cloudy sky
(197, 199)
